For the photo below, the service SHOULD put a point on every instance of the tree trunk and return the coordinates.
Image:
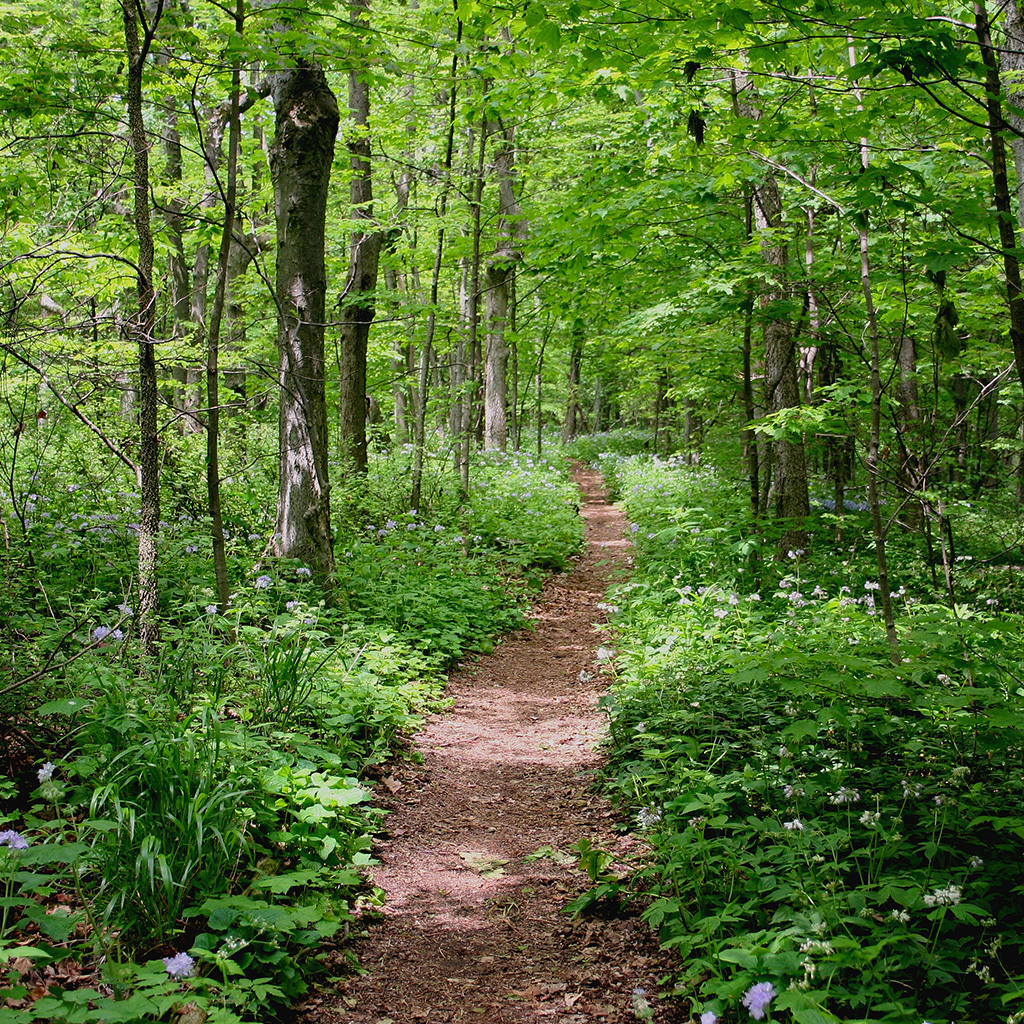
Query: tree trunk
(1001, 185)
(420, 439)
(178, 271)
(513, 345)
(500, 269)
(358, 304)
(306, 123)
(1020, 460)
(809, 354)
(1012, 59)
(472, 346)
(988, 435)
(540, 397)
(878, 529)
(908, 421)
(220, 297)
(960, 385)
(142, 325)
(575, 362)
(789, 467)
(496, 358)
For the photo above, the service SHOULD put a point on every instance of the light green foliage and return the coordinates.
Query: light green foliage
(849, 830)
(525, 509)
(256, 717)
(166, 824)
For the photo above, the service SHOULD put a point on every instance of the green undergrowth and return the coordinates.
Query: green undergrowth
(185, 838)
(829, 832)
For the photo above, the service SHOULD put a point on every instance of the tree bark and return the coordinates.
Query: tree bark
(306, 123)
(1000, 184)
(358, 304)
(178, 271)
(789, 467)
(496, 358)
(470, 389)
(575, 362)
(143, 323)
(878, 528)
(1012, 59)
(213, 339)
(500, 269)
(420, 439)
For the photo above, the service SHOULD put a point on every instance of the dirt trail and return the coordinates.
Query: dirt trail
(473, 928)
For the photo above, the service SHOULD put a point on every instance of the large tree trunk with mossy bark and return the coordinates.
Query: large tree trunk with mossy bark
(306, 124)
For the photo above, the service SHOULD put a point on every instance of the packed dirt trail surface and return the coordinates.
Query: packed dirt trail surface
(475, 859)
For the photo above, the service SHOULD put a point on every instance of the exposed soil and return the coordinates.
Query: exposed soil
(476, 859)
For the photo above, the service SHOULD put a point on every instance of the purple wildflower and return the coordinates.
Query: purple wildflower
(15, 840)
(179, 966)
(758, 997)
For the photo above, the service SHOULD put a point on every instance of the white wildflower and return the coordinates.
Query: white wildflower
(948, 897)
(845, 795)
(648, 816)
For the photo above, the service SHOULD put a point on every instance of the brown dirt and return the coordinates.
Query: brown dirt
(473, 928)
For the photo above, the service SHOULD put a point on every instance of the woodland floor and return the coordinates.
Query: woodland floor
(473, 927)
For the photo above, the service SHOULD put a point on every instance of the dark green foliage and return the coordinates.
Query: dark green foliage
(214, 800)
(820, 819)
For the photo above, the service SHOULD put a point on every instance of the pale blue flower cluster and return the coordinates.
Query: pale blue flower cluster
(15, 840)
(101, 633)
(180, 966)
(758, 997)
(648, 816)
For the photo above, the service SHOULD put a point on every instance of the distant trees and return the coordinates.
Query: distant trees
(699, 185)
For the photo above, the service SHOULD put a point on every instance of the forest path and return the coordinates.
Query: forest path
(473, 928)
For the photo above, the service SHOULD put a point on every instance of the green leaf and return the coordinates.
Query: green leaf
(548, 35)
(738, 956)
(65, 706)
(53, 853)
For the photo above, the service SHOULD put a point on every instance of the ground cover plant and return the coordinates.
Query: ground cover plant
(183, 837)
(833, 837)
